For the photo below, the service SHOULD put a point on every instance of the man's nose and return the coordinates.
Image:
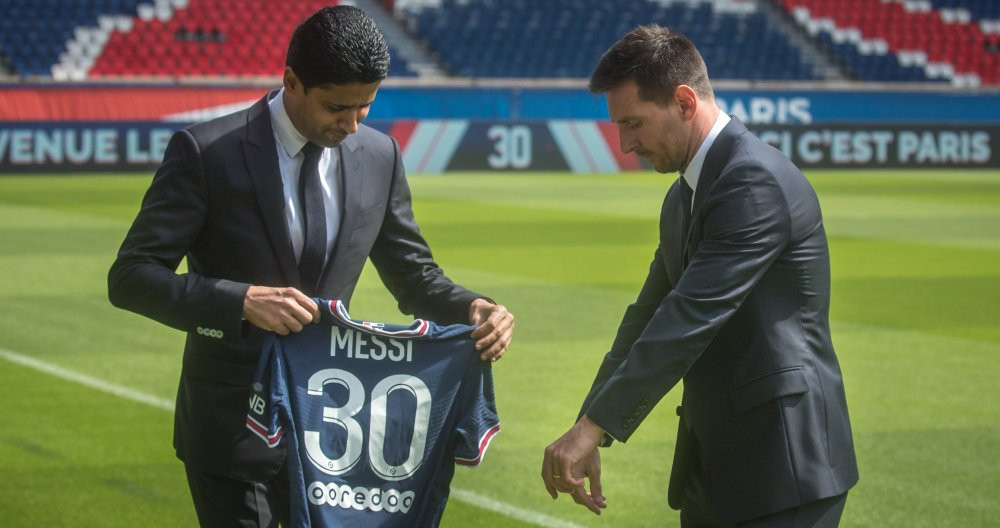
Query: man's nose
(349, 121)
(626, 143)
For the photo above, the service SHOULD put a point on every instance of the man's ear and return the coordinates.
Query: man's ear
(687, 101)
(289, 80)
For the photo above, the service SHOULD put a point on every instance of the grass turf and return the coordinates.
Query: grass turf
(916, 296)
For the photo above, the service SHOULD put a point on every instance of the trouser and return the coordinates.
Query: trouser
(824, 513)
(224, 502)
(696, 510)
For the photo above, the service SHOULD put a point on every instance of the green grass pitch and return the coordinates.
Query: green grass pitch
(916, 303)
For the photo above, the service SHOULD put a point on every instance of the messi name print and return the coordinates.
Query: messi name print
(375, 417)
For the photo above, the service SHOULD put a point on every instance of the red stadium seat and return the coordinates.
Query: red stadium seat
(209, 37)
(962, 45)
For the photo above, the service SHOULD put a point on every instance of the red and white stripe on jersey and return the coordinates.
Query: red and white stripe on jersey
(417, 328)
(484, 444)
(261, 431)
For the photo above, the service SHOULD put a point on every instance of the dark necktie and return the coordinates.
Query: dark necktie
(314, 219)
(686, 194)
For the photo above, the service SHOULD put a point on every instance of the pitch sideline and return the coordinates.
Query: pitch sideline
(466, 496)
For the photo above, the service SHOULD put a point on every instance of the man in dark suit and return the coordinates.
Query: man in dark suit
(736, 304)
(273, 205)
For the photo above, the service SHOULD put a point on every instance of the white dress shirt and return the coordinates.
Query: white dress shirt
(693, 171)
(290, 142)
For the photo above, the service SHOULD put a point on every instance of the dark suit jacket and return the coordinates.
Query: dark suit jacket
(217, 199)
(738, 309)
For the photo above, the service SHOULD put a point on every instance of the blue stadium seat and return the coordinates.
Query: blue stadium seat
(979, 9)
(31, 38)
(873, 67)
(398, 67)
(520, 38)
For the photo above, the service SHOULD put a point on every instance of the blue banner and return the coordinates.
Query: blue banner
(766, 107)
(553, 145)
(83, 146)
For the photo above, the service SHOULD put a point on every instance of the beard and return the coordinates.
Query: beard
(664, 165)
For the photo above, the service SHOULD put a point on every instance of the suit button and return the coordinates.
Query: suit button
(680, 410)
(644, 402)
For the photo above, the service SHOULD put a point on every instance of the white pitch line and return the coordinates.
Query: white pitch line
(89, 381)
(475, 499)
(528, 516)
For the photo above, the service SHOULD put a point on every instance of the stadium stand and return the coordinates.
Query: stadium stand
(94, 39)
(216, 37)
(978, 10)
(947, 41)
(908, 40)
(525, 38)
(32, 38)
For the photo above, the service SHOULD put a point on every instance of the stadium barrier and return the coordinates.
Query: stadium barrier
(85, 128)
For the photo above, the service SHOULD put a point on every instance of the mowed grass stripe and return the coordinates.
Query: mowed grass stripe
(873, 311)
(913, 325)
(88, 381)
(469, 497)
(71, 456)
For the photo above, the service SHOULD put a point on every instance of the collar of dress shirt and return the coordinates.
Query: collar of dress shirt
(693, 171)
(288, 136)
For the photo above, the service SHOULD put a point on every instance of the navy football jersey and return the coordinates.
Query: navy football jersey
(375, 417)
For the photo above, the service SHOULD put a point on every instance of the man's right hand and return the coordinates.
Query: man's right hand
(571, 458)
(279, 310)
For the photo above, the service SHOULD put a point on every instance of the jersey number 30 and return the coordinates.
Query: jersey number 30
(343, 416)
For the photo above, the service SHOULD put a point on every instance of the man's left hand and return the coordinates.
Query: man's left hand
(495, 328)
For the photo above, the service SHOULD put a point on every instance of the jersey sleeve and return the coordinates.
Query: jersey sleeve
(268, 395)
(478, 421)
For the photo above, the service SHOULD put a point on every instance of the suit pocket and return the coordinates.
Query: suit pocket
(780, 383)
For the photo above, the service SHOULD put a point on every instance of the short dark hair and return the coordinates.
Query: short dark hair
(658, 59)
(338, 45)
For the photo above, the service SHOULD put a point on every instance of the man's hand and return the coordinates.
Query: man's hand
(496, 328)
(279, 310)
(590, 467)
(571, 458)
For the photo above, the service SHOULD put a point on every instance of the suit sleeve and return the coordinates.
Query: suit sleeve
(746, 226)
(406, 266)
(637, 316)
(144, 277)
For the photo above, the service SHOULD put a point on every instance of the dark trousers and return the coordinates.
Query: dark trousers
(824, 513)
(696, 510)
(222, 502)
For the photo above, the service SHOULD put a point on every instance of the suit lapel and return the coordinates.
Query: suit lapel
(715, 160)
(261, 158)
(352, 183)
